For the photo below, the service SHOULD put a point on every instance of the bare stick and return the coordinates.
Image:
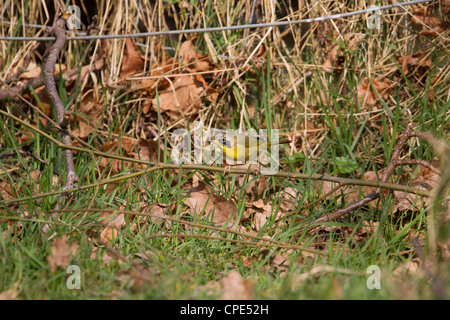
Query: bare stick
(51, 54)
(49, 70)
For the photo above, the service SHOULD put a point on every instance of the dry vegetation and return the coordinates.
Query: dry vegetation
(360, 103)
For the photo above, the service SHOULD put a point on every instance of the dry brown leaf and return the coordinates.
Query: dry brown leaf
(204, 203)
(210, 289)
(132, 60)
(181, 94)
(99, 60)
(13, 229)
(88, 119)
(115, 165)
(26, 136)
(62, 250)
(413, 61)
(105, 257)
(125, 143)
(6, 190)
(236, 288)
(256, 187)
(421, 16)
(10, 294)
(290, 199)
(192, 59)
(149, 150)
(159, 210)
(166, 69)
(181, 98)
(433, 26)
(426, 180)
(367, 228)
(410, 267)
(114, 223)
(33, 71)
(47, 110)
(98, 63)
(335, 60)
(34, 175)
(352, 194)
(367, 95)
(445, 6)
(261, 213)
(188, 52)
(280, 262)
(371, 176)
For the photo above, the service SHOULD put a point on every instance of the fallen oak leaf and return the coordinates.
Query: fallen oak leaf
(415, 60)
(183, 97)
(62, 251)
(335, 60)
(6, 191)
(32, 71)
(445, 6)
(426, 180)
(132, 60)
(188, 52)
(431, 25)
(12, 293)
(261, 213)
(88, 118)
(204, 203)
(149, 150)
(192, 59)
(159, 210)
(126, 144)
(422, 16)
(113, 223)
(159, 73)
(366, 94)
(234, 287)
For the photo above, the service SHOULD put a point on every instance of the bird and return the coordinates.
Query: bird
(243, 147)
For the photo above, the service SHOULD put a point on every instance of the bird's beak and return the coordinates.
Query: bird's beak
(211, 139)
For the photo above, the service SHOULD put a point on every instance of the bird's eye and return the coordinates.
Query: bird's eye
(225, 142)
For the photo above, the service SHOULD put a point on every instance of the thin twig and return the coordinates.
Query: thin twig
(21, 88)
(272, 242)
(421, 162)
(161, 166)
(25, 153)
(395, 162)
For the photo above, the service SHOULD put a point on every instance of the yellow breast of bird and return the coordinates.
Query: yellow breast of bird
(240, 152)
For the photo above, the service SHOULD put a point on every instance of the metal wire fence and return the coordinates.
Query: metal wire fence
(218, 29)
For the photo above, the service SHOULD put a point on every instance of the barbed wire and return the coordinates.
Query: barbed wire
(225, 28)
